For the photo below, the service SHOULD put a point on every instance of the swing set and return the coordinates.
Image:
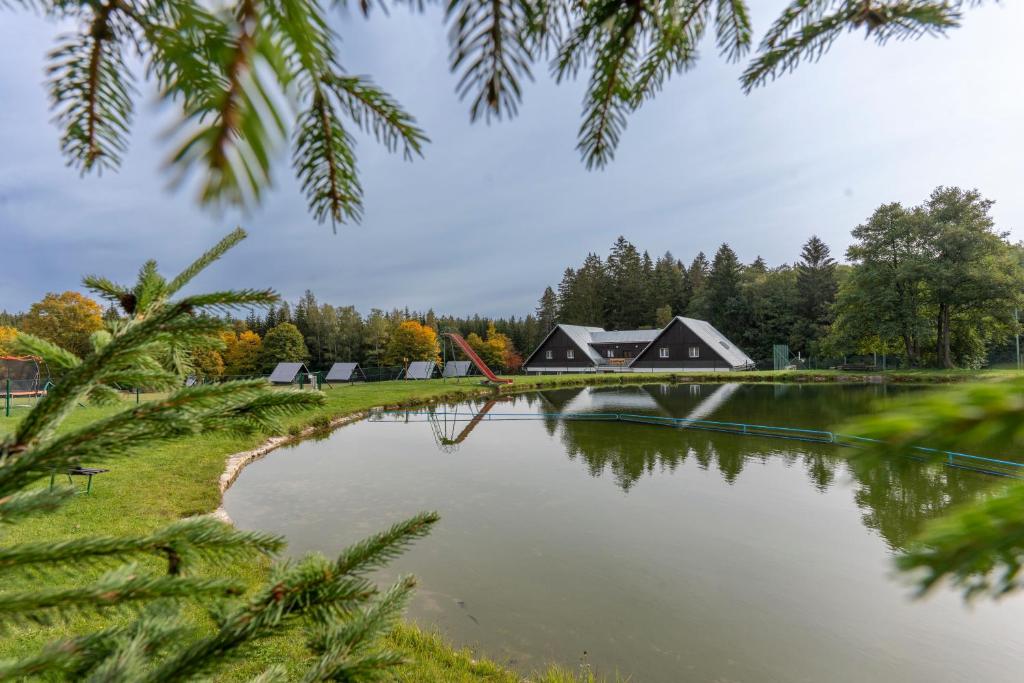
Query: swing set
(21, 378)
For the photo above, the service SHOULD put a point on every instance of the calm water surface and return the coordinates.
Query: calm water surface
(665, 555)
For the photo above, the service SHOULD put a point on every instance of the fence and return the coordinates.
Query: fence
(965, 461)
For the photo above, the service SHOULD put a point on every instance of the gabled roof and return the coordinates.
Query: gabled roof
(582, 336)
(624, 336)
(578, 334)
(716, 340)
(710, 336)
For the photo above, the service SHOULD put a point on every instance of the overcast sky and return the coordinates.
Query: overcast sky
(494, 213)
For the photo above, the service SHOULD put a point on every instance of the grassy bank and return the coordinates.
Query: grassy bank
(152, 488)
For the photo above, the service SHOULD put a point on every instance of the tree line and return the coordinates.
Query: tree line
(931, 285)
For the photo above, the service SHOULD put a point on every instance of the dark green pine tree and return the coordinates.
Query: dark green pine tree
(547, 311)
(566, 313)
(584, 302)
(626, 306)
(668, 286)
(722, 303)
(155, 639)
(816, 288)
(697, 275)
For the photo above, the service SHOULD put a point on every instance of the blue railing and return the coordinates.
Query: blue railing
(976, 463)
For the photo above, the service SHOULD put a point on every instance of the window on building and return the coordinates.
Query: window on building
(570, 354)
(611, 354)
(663, 352)
(549, 354)
(694, 352)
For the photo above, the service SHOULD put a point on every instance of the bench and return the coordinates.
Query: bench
(88, 472)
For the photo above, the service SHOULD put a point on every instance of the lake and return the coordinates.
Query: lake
(661, 554)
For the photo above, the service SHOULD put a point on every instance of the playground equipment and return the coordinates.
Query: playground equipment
(21, 377)
(457, 368)
(456, 339)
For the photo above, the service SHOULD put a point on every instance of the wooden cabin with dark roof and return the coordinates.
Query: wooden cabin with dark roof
(683, 344)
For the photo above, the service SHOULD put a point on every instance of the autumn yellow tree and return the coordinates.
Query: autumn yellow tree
(242, 353)
(209, 363)
(67, 319)
(496, 350)
(7, 335)
(412, 341)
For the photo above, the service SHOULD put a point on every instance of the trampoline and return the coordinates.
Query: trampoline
(21, 376)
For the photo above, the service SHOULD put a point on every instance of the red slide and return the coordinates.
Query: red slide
(477, 360)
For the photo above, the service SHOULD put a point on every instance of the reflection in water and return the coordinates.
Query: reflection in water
(665, 554)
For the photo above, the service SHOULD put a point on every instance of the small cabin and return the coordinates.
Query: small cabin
(683, 344)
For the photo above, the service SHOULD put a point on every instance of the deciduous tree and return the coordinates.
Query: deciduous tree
(412, 341)
(283, 344)
(67, 319)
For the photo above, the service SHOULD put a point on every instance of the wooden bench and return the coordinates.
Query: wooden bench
(88, 472)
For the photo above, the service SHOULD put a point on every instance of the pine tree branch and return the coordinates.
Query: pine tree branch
(112, 590)
(376, 112)
(91, 90)
(787, 48)
(488, 41)
(206, 260)
(186, 540)
(325, 164)
(732, 23)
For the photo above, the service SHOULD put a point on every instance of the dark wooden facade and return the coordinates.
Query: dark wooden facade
(679, 339)
(559, 343)
(627, 350)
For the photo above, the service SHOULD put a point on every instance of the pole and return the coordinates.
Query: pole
(136, 396)
(1016, 319)
(7, 398)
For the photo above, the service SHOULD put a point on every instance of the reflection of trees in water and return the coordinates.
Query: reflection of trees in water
(896, 497)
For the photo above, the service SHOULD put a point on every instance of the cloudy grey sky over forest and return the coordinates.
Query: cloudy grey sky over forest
(493, 213)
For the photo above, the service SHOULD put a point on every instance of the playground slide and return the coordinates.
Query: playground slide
(477, 360)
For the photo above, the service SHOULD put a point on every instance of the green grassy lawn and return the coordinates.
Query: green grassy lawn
(149, 489)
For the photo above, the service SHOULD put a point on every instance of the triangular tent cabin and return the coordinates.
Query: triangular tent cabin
(457, 368)
(287, 373)
(345, 372)
(420, 369)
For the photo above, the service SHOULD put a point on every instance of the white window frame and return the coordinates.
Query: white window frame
(549, 354)
(610, 353)
(570, 354)
(663, 352)
(694, 352)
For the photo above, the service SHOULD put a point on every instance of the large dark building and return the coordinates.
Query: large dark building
(683, 344)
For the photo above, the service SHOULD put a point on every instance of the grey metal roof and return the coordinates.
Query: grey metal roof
(420, 369)
(456, 368)
(341, 372)
(623, 336)
(582, 336)
(285, 373)
(716, 340)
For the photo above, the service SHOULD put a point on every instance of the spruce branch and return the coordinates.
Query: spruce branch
(180, 543)
(375, 111)
(489, 46)
(116, 588)
(325, 164)
(16, 506)
(734, 31)
(91, 91)
(787, 46)
(206, 260)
